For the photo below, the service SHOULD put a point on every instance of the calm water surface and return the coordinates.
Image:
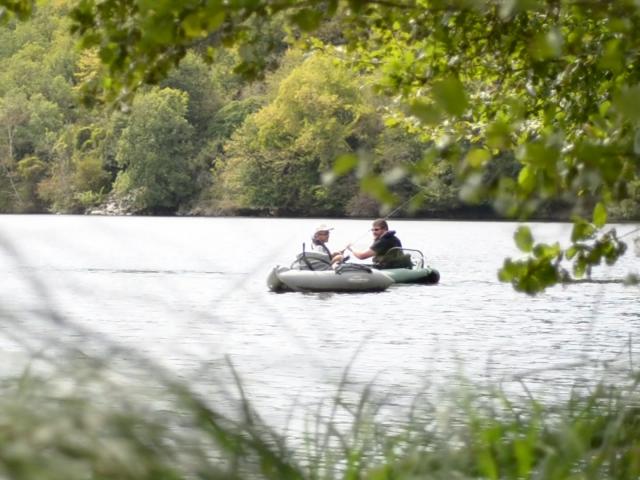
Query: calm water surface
(190, 293)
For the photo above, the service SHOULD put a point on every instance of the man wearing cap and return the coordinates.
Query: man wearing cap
(319, 243)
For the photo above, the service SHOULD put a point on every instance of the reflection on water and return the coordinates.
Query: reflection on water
(187, 292)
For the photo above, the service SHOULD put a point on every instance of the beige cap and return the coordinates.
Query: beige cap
(323, 228)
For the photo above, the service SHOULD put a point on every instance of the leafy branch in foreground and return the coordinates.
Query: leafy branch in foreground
(544, 267)
(21, 8)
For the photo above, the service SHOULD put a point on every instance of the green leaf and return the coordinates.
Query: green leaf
(582, 230)
(450, 95)
(199, 23)
(215, 16)
(544, 251)
(604, 107)
(527, 179)
(580, 267)
(394, 175)
(627, 102)
(477, 157)
(428, 113)
(109, 53)
(193, 26)
(498, 134)
(523, 449)
(547, 45)
(375, 186)
(538, 154)
(159, 30)
(612, 56)
(512, 271)
(307, 19)
(599, 215)
(523, 239)
(345, 164)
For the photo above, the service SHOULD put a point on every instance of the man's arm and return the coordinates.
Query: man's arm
(362, 255)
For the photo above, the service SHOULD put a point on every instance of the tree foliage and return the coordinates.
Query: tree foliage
(74, 179)
(194, 77)
(156, 166)
(274, 161)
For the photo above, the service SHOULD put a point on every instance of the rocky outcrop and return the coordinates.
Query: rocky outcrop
(114, 206)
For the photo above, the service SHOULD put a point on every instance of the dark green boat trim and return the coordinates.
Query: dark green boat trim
(425, 275)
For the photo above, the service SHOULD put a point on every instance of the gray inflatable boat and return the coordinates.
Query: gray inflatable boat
(312, 272)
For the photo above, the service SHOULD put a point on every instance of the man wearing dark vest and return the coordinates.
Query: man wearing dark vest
(383, 241)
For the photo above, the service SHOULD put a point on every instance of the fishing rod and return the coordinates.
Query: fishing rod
(387, 217)
(635, 230)
(636, 240)
(402, 205)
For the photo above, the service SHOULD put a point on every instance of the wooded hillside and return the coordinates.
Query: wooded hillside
(204, 140)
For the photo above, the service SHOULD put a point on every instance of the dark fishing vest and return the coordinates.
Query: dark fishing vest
(389, 257)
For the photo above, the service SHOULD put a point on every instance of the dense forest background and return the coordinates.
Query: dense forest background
(202, 141)
(205, 141)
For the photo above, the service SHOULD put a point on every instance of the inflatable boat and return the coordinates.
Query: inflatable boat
(312, 272)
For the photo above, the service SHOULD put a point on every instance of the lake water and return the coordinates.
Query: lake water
(190, 294)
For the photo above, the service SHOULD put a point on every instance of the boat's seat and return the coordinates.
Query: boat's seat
(352, 267)
(395, 259)
(312, 261)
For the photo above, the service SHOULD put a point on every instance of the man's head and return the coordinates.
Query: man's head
(322, 233)
(379, 227)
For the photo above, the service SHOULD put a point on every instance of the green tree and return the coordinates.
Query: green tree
(31, 171)
(13, 115)
(36, 101)
(30, 128)
(76, 177)
(194, 77)
(400, 155)
(155, 151)
(274, 161)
